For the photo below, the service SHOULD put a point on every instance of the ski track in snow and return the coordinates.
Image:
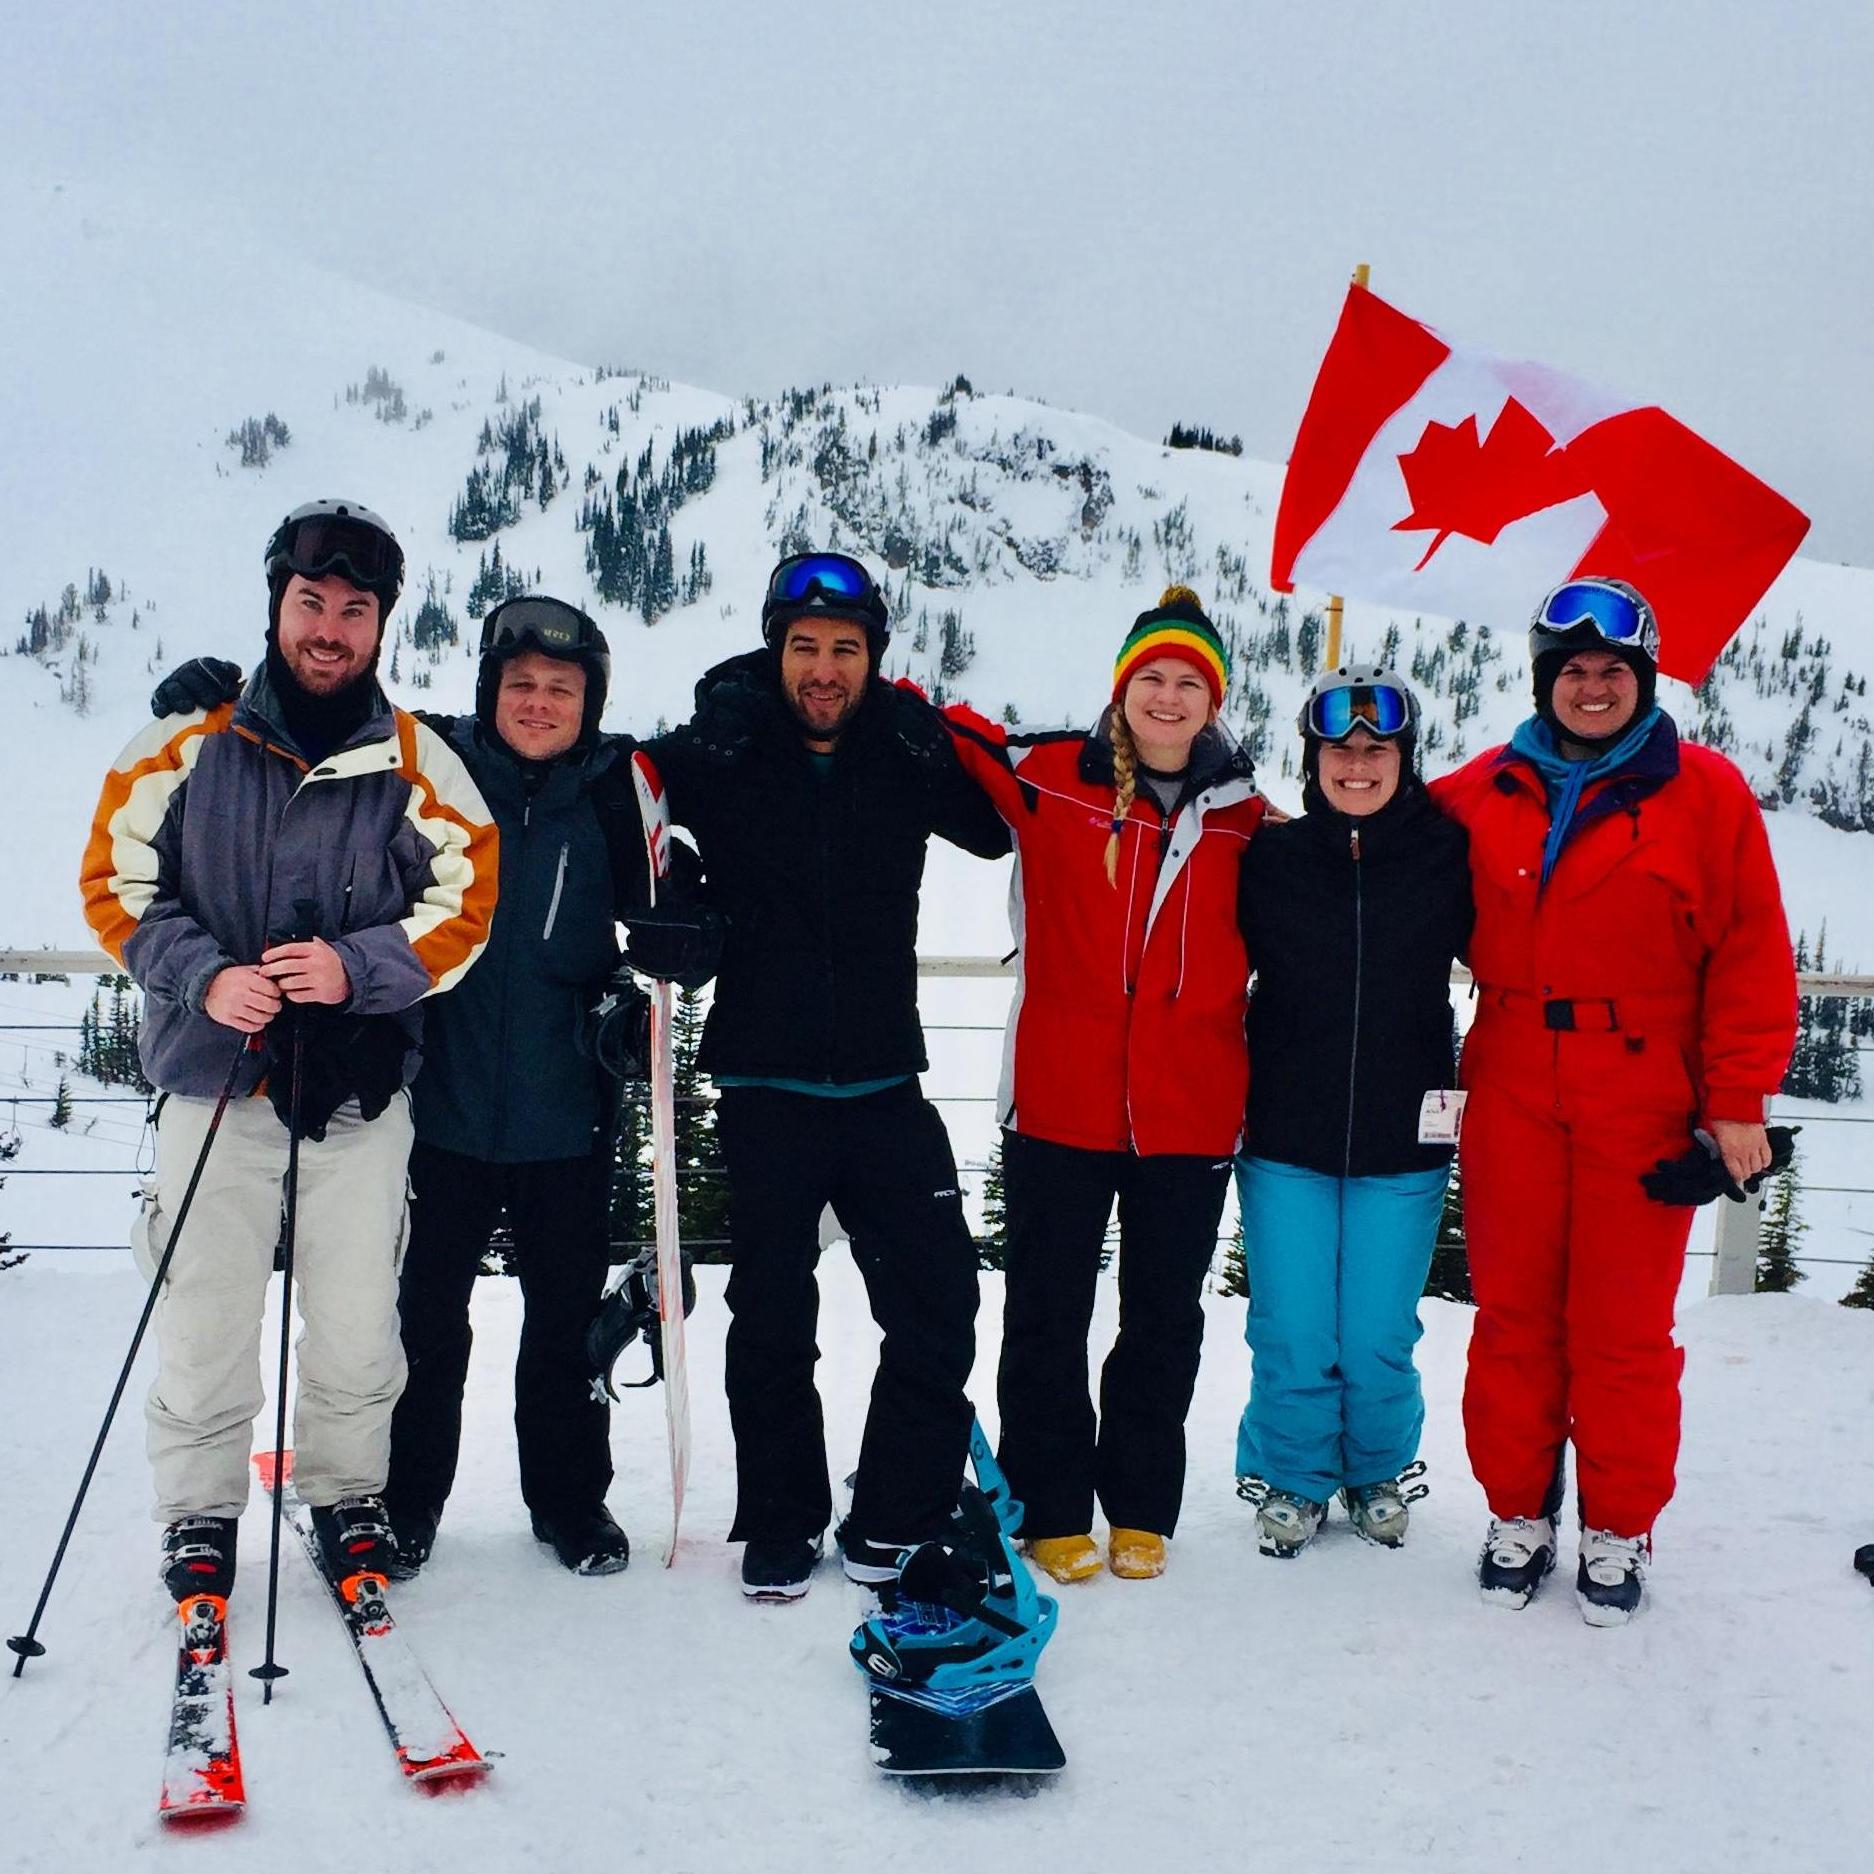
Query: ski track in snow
(1353, 1704)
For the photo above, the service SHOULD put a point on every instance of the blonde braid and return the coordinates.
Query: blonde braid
(1126, 773)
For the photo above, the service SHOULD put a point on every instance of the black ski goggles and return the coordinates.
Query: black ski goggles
(341, 543)
(1615, 615)
(1378, 708)
(559, 629)
(822, 578)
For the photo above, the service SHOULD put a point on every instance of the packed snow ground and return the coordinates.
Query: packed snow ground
(1354, 1706)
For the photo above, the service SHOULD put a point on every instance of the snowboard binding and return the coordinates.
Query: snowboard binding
(963, 1622)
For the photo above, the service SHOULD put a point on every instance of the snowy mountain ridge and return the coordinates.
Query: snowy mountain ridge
(178, 398)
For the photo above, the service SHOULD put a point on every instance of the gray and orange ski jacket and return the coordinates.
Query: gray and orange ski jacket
(213, 837)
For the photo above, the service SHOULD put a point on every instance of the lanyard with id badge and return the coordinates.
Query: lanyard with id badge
(1441, 1116)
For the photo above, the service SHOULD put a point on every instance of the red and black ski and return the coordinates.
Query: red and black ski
(202, 1765)
(431, 1747)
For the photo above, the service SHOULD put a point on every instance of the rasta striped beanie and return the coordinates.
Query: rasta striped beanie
(1174, 627)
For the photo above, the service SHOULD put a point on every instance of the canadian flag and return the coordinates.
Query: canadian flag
(1466, 485)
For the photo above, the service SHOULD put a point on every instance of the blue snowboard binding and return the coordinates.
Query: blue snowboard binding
(950, 1656)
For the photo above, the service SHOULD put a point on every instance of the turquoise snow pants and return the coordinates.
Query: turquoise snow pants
(1336, 1268)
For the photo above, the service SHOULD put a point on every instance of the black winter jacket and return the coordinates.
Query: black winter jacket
(503, 1076)
(1352, 925)
(817, 872)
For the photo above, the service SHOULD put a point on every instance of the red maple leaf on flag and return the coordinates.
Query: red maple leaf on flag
(1460, 485)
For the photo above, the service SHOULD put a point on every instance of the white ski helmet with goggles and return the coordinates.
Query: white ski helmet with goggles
(1359, 696)
(342, 537)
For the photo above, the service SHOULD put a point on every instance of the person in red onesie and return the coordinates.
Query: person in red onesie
(1125, 1076)
(1634, 980)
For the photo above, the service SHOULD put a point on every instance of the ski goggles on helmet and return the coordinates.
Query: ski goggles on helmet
(559, 629)
(1610, 609)
(1379, 708)
(347, 544)
(822, 579)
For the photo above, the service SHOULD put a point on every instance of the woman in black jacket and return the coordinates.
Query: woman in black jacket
(1353, 914)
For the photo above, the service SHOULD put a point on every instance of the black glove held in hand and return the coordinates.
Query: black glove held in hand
(346, 1057)
(679, 943)
(617, 1034)
(201, 683)
(1697, 1175)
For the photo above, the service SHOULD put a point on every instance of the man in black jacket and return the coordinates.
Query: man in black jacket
(811, 787)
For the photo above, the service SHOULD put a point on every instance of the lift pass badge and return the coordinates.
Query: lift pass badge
(1441, 1116)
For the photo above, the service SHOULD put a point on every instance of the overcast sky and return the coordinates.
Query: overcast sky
(1146, 211)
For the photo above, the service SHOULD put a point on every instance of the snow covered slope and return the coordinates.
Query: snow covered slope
(1352, 1709)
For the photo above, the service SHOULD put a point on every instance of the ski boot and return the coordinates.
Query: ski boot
(1864, 1560)
(1285, 1521)
(198, 1556)
(354, 1538)
(415, 1533)
(1380, 1511)
(1518, 1554)
(780, 1569)
(588, 1542)
(1610, 1576)
(1065, 1559)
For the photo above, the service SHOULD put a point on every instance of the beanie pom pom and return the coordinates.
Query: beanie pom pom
(1180, 595)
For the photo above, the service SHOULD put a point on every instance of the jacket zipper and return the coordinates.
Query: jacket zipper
(1353, 1055)
(559, 885)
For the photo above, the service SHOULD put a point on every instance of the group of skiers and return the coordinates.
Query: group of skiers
(291, 867)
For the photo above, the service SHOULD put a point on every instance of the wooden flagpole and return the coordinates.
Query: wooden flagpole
(1332, 659)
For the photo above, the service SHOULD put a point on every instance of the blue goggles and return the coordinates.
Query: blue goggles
(1377, 708)
(810, 577)
(1615, 615)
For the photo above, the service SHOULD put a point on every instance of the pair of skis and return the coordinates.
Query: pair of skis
(202, 1779)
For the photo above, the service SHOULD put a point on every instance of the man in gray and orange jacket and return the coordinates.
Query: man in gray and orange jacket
(305, 852)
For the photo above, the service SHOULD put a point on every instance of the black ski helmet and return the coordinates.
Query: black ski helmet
(343, 537)
(554, 628)
(825, 585)
(1592, 613)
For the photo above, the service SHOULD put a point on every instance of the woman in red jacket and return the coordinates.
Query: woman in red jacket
(1125, 1074)
(1634, 980)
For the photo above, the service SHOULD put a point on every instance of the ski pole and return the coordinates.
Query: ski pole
(270, 1669)
(26, 1645)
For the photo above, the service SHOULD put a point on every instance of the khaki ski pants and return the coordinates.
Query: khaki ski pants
(348, 1244)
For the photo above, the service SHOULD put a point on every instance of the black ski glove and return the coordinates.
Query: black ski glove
(918, 726)
(201, 683)
(617, 1034)
(1697, 1175)
(345, 1057)
(680, 943)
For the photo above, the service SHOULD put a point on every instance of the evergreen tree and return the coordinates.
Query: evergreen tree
(1783, 1230)
(1862, 1294)
(702, 1184)
(62, 1104)
(1449, 1277)
(992, 1245)
(1235, 1277)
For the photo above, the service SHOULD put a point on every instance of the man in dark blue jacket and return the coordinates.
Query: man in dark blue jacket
(512, 1111)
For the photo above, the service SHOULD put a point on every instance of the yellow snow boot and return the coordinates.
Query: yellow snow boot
(1066, 1558)
(1136, 1554)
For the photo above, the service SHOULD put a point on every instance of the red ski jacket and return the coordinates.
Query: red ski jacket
(1662, 915)
(1126, 1031)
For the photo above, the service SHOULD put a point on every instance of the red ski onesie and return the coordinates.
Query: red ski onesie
(1650, 983)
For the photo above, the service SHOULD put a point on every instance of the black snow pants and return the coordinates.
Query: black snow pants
(883, 1161)
(1058, 1199)
(557, 1210)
